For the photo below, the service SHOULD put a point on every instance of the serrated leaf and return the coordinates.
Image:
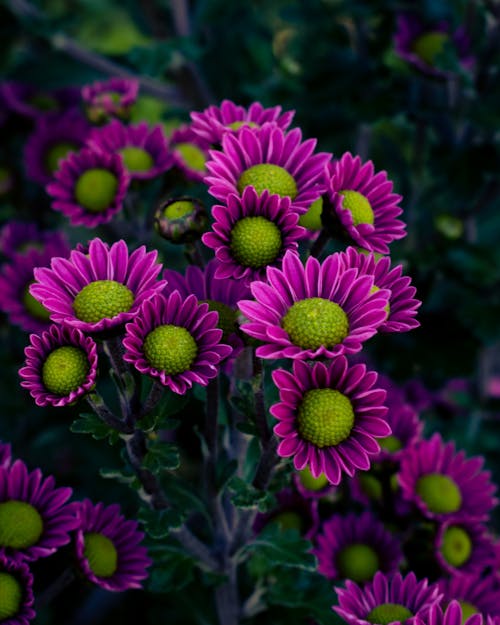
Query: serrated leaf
(161, 456)
(158, 523)
(89, 423)
(247, 496)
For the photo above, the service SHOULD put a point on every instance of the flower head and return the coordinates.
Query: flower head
(464, 548)
(30, 101)
(100, 290)
(312, 311)
(364, 203)
(110, 98)
(60, 367)
(329, 417)
(17, 237)
(16, 596)
(475, 595)
(453, 614)
(190, 152)
(176, 341)
(108, 547)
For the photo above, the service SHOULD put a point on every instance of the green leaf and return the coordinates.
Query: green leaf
(161, 456)
(247, 496)
(120, 476)
(158, 523)
(89, 423)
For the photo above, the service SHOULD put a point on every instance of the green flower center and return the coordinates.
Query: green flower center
(439, 493)
(359, 207)
(314, 322)
(468, 609)
(101, 554)
(44, 102)
(227, 317)
(136, 159)
(114, 96)
(358, 562)
(95, 189)
(56, 153)
(325, 417)
(192, 156)
(391, 443)
(312, 219)
(288, 520)
(10, 596)
(429, 45)
(312, 483)
(170, 348)
(388, 613)
(255, 242)
(20, 525)
(179, 209)
(240, 124)
(33, 306)
(102, 299)
(371, 486)
(457, 546)
(274, 178)
(65, 370)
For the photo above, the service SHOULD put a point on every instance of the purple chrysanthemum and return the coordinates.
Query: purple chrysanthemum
(387, 599)
(453, 614)
(267, 158)
(215, 121)
(89, 187)
(475, 594)
(31, 101)
(113, 97)
(292, 512)
(251, 233)
(17, 237)
(364, 203)
(356, 547)
(420, 44)
(60, 367)
(311, 487)
(190, 152)
(108, 547)
(16, 278)
(329, 417)
(402, 306)
(444, 484)
(16, 584)
(464, 548)
(176, 341)
(54, 137)
(5, 454)
(99, 290)
(144, 150)
(35, 519)
(313, 311)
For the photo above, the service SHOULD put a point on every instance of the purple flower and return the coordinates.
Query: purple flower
(35, 519)
(251, 233)
(60, 367)
(30, 101)
(55, 136)
(113, 97)
(402, 306)
(190, 152)
(89, 187)
(329, 417)
(5, 455)
(16, 582)
(215, 121)
(17, 237)
(356, 547)
(100, 290)
(421, 44)
(387, 599)
(292, 512)
(320, 310)
(311, 487)
(444, 484)
(267, 158)
(108, 547)
(364, 204)
(475, 594)
(452, 615)
(176, 341)
(144, 151)
(464, 548)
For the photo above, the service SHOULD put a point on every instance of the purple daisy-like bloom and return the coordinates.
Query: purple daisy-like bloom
(16, 278)
(113, 97)
(402, 303)
(386, 599)
(89, 187)
(16, 582)
(313, 311)
(292, 512)
(420, 44)
(464, 548)
(444, 484)
(267, 158)
(191, 152)
(60, 367)
(31, 101)
(451, 615)
(215, 121)
(108, 547)
(17, 237)
(364, 203)
(476, 595)
(5, 454)
(55, 136)
(176, 341)
(144, 150)
(329, 417)
(251, 233)
(35, 519)
(356, 547)
(311, 487)
(99, 290)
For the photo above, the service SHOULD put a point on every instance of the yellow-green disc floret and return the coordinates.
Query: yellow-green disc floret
(136, 159)
(227, 317)
(358, 562)
(274, 178)
(359, 207)
(312, 219)
(96, 189)
(255, 242)
(388, 613)
(57, 152)
(325, 417)
(33, 306)
(101, 554)
(170, 348)
(20, 524)
(312, 483)
(102, 299)
(439, 492)
(429, 45)
(179, 209)
(457, 546)
(192, 155)
(65, 369)
(10, 596)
